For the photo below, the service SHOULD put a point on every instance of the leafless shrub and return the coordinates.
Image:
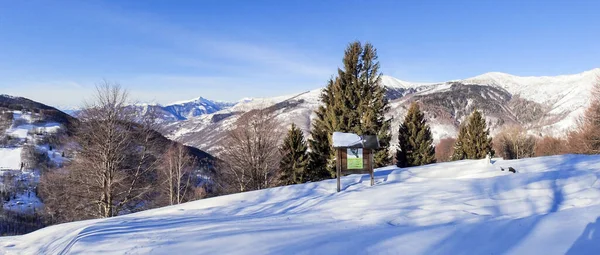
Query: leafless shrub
(513, 142)
(6, 119)
(548, 146)
(8, 141)
(34, 158)
(444, 149)
(62, 200)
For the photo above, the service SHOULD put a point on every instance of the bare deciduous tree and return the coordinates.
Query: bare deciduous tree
(113, 164)
(176, 175)
(62, 200)
(250, 154)
(585, 138)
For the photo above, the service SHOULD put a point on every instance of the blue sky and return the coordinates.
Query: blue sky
(163, 51)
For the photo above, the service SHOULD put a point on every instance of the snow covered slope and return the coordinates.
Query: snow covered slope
(21, 180)
(10, 158)
(565, 94)
(551, 206)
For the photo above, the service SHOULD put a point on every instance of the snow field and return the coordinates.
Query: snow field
(551, 206)
(10, 158)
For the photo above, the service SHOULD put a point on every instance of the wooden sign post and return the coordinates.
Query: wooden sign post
(355, 157)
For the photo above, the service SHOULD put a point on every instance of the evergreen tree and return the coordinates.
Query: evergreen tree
(415, 141)
(354, 102)
(319, 164)
(459, 145)
(474, 141)
(374, 105)
(294, 159)
(320, 167)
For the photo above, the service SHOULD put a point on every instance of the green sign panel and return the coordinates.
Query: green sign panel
(355, 158)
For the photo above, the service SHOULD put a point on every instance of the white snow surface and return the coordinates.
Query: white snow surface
(10, 158)
(22, 131)
(345, 139)
(551, 206)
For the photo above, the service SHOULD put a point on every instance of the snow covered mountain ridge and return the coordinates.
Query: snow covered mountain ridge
(545, 105)
(176, 111)
(183, 110)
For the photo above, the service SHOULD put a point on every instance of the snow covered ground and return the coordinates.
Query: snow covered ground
(26, 202)
(10, 158)
(551, 206)
(24, 180)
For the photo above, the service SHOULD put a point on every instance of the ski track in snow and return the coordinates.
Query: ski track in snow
(551, 206)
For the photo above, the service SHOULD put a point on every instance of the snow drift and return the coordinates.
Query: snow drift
(551, 206)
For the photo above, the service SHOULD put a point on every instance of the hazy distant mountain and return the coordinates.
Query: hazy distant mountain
(544, 105)
(184, 110)
(176, 111)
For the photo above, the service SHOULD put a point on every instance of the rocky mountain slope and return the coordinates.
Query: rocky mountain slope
(543, 105)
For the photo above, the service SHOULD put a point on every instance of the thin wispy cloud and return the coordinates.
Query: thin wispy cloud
(222, 50)
(189, 62)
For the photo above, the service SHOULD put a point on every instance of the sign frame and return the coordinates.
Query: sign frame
(342, 164)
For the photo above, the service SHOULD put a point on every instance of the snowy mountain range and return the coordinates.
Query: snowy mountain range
(184, 110)
(176, 111)
(546, 105)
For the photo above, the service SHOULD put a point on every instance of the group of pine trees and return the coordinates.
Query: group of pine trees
(415, 141)
(353, 101)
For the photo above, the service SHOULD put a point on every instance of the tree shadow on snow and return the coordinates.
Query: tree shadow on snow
(496, 237)
(589, 241)
(499, 237)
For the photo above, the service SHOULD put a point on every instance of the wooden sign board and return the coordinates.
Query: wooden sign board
(354, 161)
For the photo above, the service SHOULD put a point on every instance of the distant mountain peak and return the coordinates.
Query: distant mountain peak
(186, 109)
(193, 100)
(392, 82)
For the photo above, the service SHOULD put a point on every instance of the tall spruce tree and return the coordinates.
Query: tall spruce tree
(294, 161)
(374, 105)
(415, 141)
(353, 101)
(459, 145)
(474, 141)
(319, 165)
